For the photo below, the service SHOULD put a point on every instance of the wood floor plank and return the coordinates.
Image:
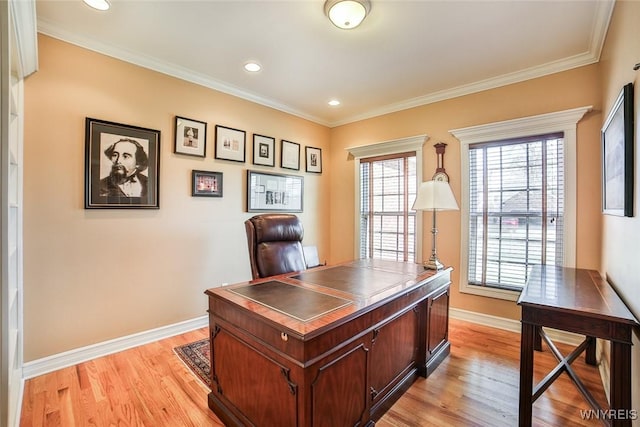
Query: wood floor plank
(477, 385)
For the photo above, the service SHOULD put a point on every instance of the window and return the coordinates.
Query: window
(387, 192)
(516, 209)
(518, 200)
(387, 175)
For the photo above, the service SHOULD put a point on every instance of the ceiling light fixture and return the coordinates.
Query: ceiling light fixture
(334, 102)
(252, 67)
(346, 14)
(98, 4)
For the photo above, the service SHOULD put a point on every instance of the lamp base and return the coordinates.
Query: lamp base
(433, 264)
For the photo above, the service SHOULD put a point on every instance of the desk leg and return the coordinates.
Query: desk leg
(620, 382)
(527, 344)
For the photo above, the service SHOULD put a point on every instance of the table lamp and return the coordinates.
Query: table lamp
(434, 196)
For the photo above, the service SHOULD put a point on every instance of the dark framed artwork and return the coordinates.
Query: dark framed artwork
(206, 183)
(264, 150)
(272, 192)
(313, 159)
(617, 156)
(231, 144)
(190, 137)
(122, 166)
(290, 155)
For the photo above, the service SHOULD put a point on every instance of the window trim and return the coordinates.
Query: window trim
(396, 146)
(565, 121)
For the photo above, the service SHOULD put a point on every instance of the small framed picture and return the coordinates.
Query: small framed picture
(314, 159)
(264, 148)
(230, 144)
(206, 184)
(290, 155)
(617, 156)
(122, 166)
(190, 137)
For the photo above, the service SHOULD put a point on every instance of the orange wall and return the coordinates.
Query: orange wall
(95, 275)
(571, 89)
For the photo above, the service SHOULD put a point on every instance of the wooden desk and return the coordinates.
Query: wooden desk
(578, 301)
(333, 346)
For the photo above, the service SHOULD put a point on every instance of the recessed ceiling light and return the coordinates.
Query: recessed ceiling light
(252, 67)
(98, 4)
(334, 102)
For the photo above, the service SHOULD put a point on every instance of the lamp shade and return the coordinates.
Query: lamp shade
(435, 196)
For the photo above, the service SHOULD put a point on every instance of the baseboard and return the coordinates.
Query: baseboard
(512, 325)
(73, 357)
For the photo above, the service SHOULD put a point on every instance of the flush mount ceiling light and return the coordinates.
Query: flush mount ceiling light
(347, 14)
(98, 4)
(334, 102)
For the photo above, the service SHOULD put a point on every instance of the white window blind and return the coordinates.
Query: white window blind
(516, 209)
(387, 192)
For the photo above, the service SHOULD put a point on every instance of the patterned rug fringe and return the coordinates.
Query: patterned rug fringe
(196, 356)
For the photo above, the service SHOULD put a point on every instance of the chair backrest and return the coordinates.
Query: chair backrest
(311, 256)
(275, 244)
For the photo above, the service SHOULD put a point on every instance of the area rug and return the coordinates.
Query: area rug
(196, 356)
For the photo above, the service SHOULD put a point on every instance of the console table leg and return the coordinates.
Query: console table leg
(527, 344)
(537, 339)
(590, 355)
(620, 386)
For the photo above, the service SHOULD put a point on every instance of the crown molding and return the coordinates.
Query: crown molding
(23, 15)
(592, 55)
(52, 30)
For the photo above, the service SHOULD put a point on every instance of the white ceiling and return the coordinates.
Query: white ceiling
(405, 53)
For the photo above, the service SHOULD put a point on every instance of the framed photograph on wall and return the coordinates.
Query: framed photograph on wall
(122, 166)
(290, 155)
(190, 137)
(617, 156)
(264, 150)
(314, 159)
(271, 192)
(230, 144)
(206, 184)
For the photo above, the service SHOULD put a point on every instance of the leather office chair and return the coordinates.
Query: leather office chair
(275, 244)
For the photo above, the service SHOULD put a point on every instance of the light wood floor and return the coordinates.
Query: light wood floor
(149, 386)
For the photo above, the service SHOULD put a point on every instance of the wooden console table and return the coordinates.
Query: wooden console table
(332, 346)
(579, 301)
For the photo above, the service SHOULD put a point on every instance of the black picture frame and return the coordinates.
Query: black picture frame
(313, 157)
(190, 137)
(273, 192)
(109, 181)
(289, 155)
(617, 137)
(264, 150)
(231, 144)
(206, 183)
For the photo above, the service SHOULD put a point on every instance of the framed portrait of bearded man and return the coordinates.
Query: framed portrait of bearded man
(122, 166)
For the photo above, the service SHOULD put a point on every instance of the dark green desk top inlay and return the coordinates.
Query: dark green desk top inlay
(362, 282)
(302, 304)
